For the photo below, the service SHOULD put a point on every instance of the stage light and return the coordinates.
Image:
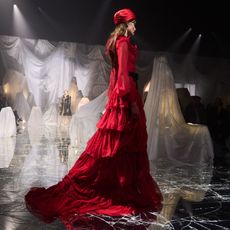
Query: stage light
(176, 44)
(195, 46)
(20, 25)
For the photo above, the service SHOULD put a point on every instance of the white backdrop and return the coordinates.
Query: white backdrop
(37, 72)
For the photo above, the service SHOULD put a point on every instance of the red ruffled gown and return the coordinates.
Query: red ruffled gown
(111, 176)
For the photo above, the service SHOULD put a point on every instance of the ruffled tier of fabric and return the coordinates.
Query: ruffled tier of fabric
(108, 143)
(104, 186)
(116, 118)
(118, 114)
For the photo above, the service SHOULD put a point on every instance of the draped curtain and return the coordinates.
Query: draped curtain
(169, 137)
(37, 72)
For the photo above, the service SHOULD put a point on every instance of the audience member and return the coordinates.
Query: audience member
(215, 120)
(195, 111)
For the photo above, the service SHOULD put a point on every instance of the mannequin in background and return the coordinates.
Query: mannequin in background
(65, 104)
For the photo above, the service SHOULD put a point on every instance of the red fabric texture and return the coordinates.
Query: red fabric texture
(111, 176)
(123, 16)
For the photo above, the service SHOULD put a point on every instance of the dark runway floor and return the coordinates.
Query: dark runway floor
(195, 197)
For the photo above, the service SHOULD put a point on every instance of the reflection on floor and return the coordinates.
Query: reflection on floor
(194, 197)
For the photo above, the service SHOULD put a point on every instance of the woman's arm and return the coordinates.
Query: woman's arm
(123, 84)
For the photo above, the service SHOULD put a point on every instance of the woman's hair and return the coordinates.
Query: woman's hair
(119, 30)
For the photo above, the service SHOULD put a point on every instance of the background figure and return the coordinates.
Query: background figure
(17, 118)
(65, 107)
(60, 106)
(195, 111)
(215, 120)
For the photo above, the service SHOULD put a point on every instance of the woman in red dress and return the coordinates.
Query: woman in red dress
(111, 177)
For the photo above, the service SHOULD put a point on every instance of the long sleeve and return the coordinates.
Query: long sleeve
(123, 82)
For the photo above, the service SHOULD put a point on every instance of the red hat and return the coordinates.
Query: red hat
(124, 15)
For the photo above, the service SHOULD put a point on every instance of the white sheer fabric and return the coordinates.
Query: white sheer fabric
(82, 102)
(7, 122)
(50, 117)
(30, 100)
(169, 137)
(36, 119)
(91, 70)
(35, 125)
(22, 106)
(7, 147)
(7, 136)
(83, 123)
(48, 70)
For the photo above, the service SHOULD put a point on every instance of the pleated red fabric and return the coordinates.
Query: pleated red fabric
(111, 177)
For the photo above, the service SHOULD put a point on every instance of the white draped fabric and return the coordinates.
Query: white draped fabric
(30, 100)
(36, 119)
(83, 123)
(43, 71)
(48, 70)
(169, 137)
(7, 136)
(50, 117)
(82, 102)
(7, 147)
(37, 72)
(36, 125)
(7, 124)
(91, 70)
(22, 106)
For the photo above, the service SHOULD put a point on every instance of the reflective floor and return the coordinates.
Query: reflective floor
(195, 197)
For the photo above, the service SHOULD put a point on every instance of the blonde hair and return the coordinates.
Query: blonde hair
(120, 30)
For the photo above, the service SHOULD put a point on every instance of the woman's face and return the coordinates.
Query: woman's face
(131, 28)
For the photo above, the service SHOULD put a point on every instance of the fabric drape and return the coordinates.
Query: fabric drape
(170, 138)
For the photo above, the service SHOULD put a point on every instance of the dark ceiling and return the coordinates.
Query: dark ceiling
(160, 24)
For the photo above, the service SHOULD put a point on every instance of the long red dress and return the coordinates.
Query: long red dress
(111, 176)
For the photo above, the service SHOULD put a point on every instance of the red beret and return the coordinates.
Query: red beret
(124, 15)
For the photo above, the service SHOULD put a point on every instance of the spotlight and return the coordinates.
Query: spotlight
(176, 44)
(20, 25)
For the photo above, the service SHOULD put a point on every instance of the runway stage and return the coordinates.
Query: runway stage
(195, 197)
